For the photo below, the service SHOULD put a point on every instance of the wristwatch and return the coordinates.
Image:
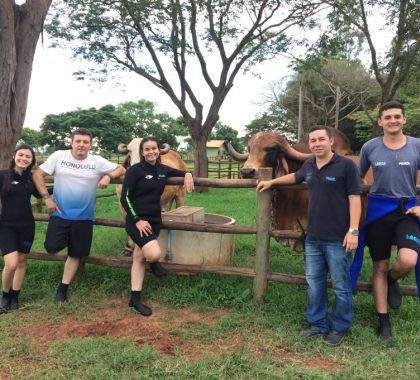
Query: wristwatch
(354, 231)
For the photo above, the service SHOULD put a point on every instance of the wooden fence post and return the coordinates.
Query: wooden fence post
(263, 237)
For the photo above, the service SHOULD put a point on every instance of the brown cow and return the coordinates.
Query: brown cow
(170, 194)
(271, 149)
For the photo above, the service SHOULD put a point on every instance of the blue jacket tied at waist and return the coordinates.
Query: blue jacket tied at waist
(379, 206)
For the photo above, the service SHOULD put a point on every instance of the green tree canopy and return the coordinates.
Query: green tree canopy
(31, 137)
(363, 126)
(107, 124)
(351, 22)
(337, 85)
(111, 125)
(226, 133)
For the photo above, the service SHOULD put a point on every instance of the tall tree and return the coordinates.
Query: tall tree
(20, 27)
(317, 88)
(165, 42)
(398, 16)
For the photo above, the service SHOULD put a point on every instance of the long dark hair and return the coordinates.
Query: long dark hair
(145, 140)
(6, 186)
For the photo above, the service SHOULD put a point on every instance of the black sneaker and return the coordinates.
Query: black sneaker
(60, 297)
(14, 303)
(4, 304)
(384, 332)
(334, 338)
(310, 332)
(394, 292)
(141, 308)
(157, 269)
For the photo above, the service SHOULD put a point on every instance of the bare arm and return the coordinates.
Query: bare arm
(38, 178)
(188, 182)
(288, 179)
(363, 178)
(355, 207)
(106, 179)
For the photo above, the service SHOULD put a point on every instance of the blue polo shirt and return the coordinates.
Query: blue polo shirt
(329, 189)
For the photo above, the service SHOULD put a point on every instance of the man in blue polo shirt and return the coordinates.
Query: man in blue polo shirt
(333, 220)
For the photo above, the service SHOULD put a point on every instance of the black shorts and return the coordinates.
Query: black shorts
(13, 238)
(134, 232)
(394, 228)
(76, 235)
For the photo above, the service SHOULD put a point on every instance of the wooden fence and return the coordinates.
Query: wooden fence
(220, 168)
(260, 273)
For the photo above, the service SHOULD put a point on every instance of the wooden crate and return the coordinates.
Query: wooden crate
(185, 214)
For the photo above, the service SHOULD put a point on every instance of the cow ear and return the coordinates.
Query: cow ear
(282, 167)
(126, 164)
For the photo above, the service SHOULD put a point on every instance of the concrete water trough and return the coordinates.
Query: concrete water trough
(192, 247)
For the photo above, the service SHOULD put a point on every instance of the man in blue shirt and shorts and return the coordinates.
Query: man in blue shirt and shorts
(77, 175)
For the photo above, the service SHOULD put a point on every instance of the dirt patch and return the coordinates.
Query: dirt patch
(322, 363)
(5, 375)
(248, 343)
(115, 320)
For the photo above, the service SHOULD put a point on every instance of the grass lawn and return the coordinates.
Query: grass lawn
(203, 326)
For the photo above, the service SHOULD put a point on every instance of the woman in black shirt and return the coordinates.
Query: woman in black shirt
(143, 186)
(17, 225)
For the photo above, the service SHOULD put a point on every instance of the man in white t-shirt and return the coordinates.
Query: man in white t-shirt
(77, 174)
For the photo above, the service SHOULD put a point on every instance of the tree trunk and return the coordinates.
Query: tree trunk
(300, 126)
(20, 27)
(200, 160)
(337, 106)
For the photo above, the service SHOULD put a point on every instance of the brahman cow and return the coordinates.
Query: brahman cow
(271, 149)
(170, 194)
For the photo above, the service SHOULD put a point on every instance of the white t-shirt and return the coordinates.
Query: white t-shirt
(75, 183)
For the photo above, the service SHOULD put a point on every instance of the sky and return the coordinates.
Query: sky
(53, 89)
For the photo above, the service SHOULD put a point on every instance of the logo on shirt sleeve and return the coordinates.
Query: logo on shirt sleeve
(413, 238)
(149, 176)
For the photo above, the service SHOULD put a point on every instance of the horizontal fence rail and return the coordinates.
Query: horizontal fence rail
(262, 229)
(228, 183)
(196, 227)
(406, 290)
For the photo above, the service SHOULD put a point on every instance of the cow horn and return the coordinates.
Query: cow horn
(122, 148)
(165, 149)
(234, 154)
(296, 155)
